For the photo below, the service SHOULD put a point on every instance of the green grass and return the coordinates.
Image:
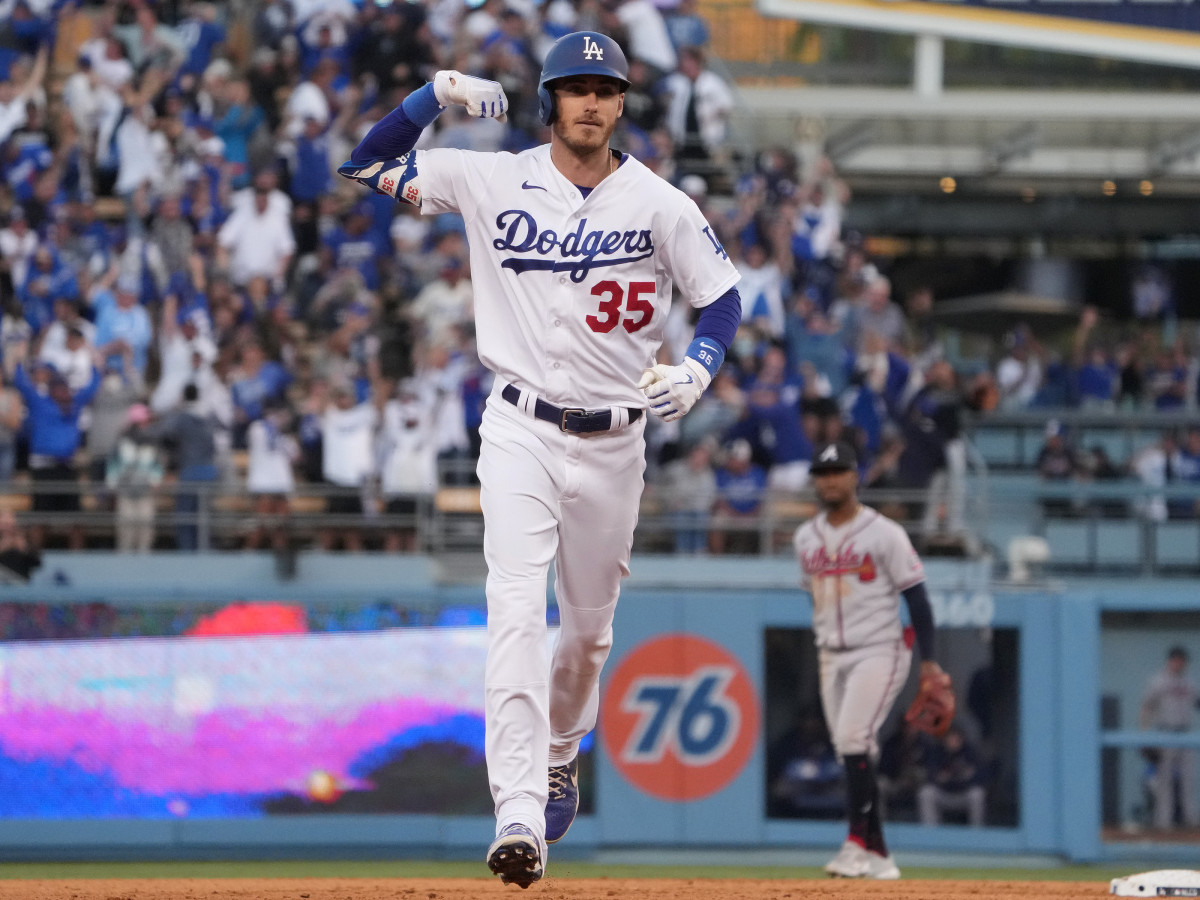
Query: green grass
(560, 869)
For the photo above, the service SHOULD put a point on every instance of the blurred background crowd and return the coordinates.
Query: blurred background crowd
(190, 296)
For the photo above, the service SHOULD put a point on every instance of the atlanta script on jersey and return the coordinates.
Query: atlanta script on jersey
(855, 574)
(572, 293)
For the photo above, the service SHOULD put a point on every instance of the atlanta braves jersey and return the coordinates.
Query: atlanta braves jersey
(572, 292)
(855, 573)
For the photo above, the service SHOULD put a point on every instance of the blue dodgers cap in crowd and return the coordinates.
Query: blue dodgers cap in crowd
(837, 456)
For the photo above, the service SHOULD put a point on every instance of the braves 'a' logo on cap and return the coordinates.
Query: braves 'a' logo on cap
(591, 50)
(829, 454)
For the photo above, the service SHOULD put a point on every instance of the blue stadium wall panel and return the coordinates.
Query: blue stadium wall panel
(679, 760)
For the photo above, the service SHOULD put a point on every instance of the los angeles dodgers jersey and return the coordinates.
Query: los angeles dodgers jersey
(572, 293)
(855, 573)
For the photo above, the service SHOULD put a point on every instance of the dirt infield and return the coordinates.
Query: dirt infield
(548, 889)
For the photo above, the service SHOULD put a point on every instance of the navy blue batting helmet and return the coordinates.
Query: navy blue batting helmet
(579, 53)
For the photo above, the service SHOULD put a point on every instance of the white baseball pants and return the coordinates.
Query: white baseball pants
(858, 688)
(571, 499)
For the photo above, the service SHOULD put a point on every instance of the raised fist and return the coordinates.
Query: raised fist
(482, 98)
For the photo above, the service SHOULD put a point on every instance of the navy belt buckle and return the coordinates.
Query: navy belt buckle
(562, 424)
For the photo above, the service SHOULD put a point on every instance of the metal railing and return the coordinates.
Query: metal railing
(223, 514)
(1013, 439)
(1090, 526)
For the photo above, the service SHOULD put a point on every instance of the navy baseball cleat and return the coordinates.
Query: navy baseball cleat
(515, 857)
(564, 800)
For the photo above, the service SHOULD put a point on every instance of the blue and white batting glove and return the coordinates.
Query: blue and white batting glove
(394, 177)
(483, 99)
(673, 390)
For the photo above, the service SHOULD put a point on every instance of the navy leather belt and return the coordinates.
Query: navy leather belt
(570, 420)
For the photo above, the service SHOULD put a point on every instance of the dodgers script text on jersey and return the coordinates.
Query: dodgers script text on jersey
(597, 248)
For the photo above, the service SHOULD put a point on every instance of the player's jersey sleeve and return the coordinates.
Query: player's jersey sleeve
(799, 542)
(900, 560)
(454, 180)
(695, 259)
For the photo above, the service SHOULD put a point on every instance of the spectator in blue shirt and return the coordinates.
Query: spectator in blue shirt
(26, 160)
(773, 407)
(1185, 468)
(884, 371)
(811, 337)
(122, 322)
(54, 437)
(1166, 380)
(311, 174)
(236, 127)
(200, 34)
(355, 246)
(740, 486)
(87, 241)
(311, 179)
(1096, 380)
(258, 382)
(48, 278)
(686, 27)
(1095, 375)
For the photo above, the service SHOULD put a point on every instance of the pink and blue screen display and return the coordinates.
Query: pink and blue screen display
(244, 727)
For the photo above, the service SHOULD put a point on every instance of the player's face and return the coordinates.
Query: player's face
(586, 111)
(835, 489)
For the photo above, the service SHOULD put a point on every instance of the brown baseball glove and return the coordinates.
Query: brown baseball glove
(932, 710)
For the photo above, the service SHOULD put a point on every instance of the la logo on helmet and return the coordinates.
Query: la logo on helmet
(591, 50)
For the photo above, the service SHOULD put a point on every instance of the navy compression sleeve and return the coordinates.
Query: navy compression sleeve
(718, 323)
(920, 613)
(397, 132)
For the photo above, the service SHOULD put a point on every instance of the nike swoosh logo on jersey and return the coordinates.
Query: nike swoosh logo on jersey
(526, 186)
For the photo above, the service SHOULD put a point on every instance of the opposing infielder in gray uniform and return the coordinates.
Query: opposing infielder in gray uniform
(576, 251)
(1169, 704)
(856, 564)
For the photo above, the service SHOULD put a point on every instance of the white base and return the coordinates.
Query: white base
(1160, 883)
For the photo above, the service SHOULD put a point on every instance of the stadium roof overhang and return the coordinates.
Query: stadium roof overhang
(1089, 163)
(1057, 141)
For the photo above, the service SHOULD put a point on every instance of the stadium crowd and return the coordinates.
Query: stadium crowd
(190, 295)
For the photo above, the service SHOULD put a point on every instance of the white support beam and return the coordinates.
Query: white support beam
(928, 65)
(1034, 30)
(1013, 105)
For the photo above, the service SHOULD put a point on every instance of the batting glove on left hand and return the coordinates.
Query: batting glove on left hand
(673, 390)
(483, 98)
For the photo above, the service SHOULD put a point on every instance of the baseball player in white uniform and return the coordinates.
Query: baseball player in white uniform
(856, 564)
(575, 253)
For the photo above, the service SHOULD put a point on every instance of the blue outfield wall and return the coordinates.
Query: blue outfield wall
(680, 757)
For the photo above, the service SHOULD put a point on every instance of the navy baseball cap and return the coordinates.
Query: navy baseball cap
(837, 456)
